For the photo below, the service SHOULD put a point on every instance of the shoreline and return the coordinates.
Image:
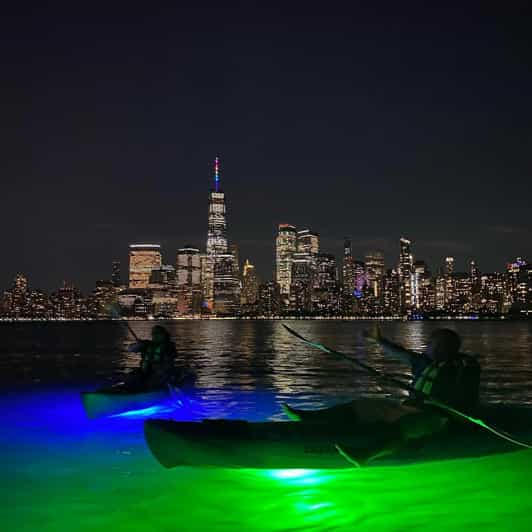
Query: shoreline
(267, 318)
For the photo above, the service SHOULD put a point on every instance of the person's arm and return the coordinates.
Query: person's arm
(392, 349)
(141, 347)
(137, 347)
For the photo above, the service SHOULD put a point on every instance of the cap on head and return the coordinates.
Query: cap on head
(445, 343)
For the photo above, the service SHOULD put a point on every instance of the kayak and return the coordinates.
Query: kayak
(302, 445)
(111, 401)
(121, 398)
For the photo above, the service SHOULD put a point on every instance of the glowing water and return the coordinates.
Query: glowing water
(62, 472)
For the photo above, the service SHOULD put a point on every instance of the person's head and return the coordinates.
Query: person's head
(444, 344)
(159, 335)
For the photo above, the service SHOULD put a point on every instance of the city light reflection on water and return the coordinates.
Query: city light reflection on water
(62, 471)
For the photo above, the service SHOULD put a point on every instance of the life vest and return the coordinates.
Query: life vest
(455, 382)
(154, 353)
(162, 354)
(425, 382)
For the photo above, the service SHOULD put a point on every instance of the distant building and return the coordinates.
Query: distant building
(326, 296)
(348, 280)
(301, 287)
(308, 242)
(392, 289)
(188, 282)
(207, 282)
(220, 272)
(269, 299)
(116, 273)
(441, 293)
(143, 258)
(67, 303)
(285, 247)
(375, 276)
(163, 277)
(474, 273)
(216, 235)
(250, 288)
(461, 302)
(518, 287)
(226, 285)
(100, 303)
(449, 265)
(420, 286)
(405, 269)
(492, 288)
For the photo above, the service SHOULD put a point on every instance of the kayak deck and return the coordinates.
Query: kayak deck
(302, 445)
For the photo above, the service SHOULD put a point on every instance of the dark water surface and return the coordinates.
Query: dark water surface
(64, 472)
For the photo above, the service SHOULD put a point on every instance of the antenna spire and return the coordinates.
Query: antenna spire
(216, 174)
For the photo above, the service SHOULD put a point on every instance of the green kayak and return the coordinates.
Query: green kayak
(304, 445)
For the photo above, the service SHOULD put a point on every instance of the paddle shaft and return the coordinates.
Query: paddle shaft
(132, 331)
(353, 361)
(116, 314)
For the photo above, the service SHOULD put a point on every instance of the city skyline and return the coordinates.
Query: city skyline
(307, 280)
(370, 122)
(218, 242)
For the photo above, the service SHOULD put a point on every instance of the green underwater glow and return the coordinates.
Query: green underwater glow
(133, 493)
(62, 472)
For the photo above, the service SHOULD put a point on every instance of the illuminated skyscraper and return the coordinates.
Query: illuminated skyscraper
(188, 280)
(517, 275)
(21, 283)
(392, 288)
(449, 265)
(163, 277)
(250, 286)
(143, 258)
(302, 283)
(492, 293)
(474, 273)
(361, 279)
(448, 272)
(308, 242)
(16, 300)
(226, 285)
(207, 282)
(348, 279)
(420, 281)
(326, 295)
(216, 236)
(405, 270)
(269, 299)
(375, 274)
(221, 285)
(67, 302)
(285, 247)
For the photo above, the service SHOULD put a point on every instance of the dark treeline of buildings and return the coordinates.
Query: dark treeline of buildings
(306, 283)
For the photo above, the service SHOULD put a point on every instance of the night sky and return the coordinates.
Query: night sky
(371, 120)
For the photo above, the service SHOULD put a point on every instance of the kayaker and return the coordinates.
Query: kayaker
(442, 373)
(157, 360)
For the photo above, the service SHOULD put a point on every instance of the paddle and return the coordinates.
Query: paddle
(429, 400)
(116, 314)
